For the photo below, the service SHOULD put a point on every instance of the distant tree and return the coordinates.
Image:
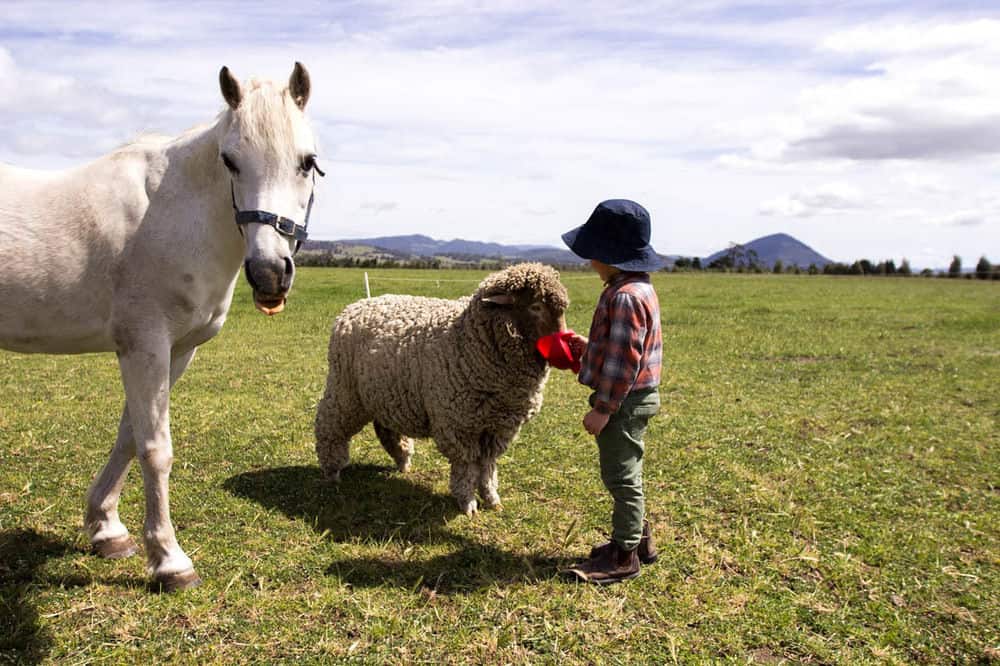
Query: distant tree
(696, 263)
(890, 267)
(867, 268)
(682, 263)
(926, 273)
(904, 267)
(836, 268)
(955, 269)
(779, 267)
(813, 269)
(857, 268)
(723, 263)
(984, 268)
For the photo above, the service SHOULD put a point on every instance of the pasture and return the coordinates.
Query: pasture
(824, 485)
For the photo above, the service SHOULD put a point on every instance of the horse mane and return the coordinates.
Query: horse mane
(266, 117)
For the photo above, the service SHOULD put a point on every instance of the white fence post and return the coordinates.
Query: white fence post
(368, 291)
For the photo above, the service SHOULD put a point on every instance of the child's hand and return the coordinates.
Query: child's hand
(595, 421)
(577, 345)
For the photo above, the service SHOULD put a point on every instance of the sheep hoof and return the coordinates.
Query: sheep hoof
(492, 502)
(403, 467)
(115, 548)
(469, 508)
(332, 476)
(175, 582)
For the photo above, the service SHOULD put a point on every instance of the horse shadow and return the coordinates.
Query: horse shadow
(24, 554)
(377, 504)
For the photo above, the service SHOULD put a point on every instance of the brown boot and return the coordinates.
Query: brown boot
(611, 565)
(647, 547)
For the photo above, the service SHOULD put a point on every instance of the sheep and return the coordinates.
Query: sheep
(464, 372)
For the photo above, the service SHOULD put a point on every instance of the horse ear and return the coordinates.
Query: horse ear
(298, 85)
(230, 88)
(499, 299)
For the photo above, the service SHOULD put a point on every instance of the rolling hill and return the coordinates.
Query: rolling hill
(769, 249)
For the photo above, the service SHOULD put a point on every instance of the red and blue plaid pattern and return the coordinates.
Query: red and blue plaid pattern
(625, 346)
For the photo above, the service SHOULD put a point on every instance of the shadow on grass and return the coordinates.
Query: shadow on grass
(374, 503)
(22, 554)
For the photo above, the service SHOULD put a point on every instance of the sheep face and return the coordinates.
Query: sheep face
(531, 315)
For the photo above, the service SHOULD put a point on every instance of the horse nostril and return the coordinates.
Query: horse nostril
(249, 274)
(286, 279)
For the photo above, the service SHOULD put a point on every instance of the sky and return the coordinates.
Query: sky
(864, 129)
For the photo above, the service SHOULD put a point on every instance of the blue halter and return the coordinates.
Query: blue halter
(283, 225)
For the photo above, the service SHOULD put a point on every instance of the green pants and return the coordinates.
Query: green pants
(621, 448)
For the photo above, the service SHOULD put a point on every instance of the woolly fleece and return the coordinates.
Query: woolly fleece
(464, 372)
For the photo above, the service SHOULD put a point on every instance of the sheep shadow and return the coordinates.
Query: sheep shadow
(376, 503)
(22, 554)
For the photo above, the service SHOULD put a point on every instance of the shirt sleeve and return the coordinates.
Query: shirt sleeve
(626, 335)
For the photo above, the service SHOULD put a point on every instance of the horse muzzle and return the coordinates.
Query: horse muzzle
(270, 281)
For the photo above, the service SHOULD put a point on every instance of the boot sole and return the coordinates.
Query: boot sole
(612, 581)
(649, 560)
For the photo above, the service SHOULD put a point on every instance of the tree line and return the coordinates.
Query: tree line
(748, 262)
(736, 260)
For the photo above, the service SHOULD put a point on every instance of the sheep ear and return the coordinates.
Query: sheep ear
(499, 299)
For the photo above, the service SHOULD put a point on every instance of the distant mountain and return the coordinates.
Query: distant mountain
(769, 249)
(420, 246)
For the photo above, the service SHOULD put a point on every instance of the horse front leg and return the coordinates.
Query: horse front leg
(109, 538)
(146, 373)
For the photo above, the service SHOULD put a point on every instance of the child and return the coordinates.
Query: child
(621, 364)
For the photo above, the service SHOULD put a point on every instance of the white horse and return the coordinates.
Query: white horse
(138, 253)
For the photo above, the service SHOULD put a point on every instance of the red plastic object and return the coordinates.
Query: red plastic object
(556, 350)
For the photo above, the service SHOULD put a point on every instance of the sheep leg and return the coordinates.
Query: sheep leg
(397, 446)
(336, 424)
(463, 486)
(488, 485)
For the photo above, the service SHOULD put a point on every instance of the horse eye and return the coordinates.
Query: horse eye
(308, 164)
(229, 164)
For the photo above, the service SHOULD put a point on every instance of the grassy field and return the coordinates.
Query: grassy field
(824, 483)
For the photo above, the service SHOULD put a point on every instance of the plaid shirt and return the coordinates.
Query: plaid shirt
(625, 345)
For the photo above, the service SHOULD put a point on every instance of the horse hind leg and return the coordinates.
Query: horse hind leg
(109, 538)
(397, 446)
(336, 424)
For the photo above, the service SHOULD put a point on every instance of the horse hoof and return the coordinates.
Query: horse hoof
(115, 548)
(175, 582)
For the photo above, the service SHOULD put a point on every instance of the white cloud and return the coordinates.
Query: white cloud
(965, 218)
(827, 199)
(443, 117)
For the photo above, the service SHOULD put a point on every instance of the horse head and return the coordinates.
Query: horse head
(270, 152)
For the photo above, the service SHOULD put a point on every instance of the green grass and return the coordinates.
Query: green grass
(824, 484)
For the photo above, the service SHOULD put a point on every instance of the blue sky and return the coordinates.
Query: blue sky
(863, 128)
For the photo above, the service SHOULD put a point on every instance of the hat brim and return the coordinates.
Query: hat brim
(645, 259)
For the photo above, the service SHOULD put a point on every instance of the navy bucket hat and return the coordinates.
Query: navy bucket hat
(617, 234)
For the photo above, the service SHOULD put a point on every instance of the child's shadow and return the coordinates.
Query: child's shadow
(377, 504)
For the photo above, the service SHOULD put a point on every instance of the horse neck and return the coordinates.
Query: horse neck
(195, 190)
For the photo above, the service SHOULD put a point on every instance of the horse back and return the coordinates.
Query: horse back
(62, 235)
